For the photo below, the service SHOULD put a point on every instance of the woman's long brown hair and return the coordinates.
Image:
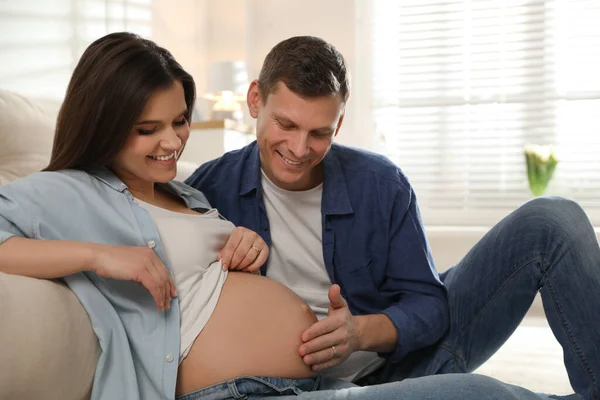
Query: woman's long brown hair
(110, 86)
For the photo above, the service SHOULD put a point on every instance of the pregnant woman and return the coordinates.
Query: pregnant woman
(148, 258)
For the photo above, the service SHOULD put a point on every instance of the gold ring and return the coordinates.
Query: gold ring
(334, 352)
(255, 248)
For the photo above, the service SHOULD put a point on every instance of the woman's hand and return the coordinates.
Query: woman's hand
(244, 251)
(139, 264)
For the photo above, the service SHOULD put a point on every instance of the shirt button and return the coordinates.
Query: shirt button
(151, 244)
(169, 358)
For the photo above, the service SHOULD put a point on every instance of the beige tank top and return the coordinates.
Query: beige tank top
(192, 243)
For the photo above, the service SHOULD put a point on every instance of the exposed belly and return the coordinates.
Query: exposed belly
(254, 330)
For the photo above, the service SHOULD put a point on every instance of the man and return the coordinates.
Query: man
(345, 234)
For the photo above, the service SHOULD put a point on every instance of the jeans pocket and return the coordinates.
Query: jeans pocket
(266, 386)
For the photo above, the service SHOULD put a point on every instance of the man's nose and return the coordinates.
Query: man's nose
(299, 146)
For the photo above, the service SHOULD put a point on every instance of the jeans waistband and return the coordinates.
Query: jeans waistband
(253, 385)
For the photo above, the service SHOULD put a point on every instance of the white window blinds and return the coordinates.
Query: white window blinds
(459, 87)
(42, 40)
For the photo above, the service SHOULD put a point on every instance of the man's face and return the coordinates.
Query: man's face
(294, 134)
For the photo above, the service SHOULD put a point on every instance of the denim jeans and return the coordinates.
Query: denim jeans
(434, 387)
(437, 387)
(549, 246)
(253, 387)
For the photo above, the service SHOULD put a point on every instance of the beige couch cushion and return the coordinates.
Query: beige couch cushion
(47, 347)
(26, 135)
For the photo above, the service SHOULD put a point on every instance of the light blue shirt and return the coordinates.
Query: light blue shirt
(139, 345)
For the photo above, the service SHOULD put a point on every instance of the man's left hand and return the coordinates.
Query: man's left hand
(331, 340)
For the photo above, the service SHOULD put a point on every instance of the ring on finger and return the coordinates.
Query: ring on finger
(333, 354)
(255, 249)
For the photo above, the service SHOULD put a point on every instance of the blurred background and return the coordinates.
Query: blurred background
(450, 90)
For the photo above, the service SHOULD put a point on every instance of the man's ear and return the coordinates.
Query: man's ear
(253, 99)
(339, 125)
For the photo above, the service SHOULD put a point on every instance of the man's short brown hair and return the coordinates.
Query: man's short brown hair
(308, 66)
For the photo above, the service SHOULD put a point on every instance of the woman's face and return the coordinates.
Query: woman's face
(150, 152)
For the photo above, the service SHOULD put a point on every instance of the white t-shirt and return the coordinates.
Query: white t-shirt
(192, 243)
(296, 260)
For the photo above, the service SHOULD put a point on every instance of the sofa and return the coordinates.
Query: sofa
(47, 345)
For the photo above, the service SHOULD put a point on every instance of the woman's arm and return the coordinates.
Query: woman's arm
(48, 259)
(26, 202)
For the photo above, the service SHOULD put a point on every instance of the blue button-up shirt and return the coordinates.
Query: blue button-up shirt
(139, 345)
(374, 245)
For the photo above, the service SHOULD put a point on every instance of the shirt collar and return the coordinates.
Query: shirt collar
(108, 177)
(336, 200)
(251, 173)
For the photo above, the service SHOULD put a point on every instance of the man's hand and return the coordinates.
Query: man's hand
(331, 341)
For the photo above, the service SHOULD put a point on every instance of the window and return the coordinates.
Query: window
(42, 40)
(459, 87)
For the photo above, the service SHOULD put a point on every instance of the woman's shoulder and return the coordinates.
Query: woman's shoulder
(50, 185)
(51, 179)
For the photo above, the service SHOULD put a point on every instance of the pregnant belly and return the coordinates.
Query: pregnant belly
(254, 330)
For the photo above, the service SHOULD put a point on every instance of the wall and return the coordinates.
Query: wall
(183, 31)
(332, 20)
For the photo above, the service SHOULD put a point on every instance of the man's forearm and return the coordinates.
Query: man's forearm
(377, 333)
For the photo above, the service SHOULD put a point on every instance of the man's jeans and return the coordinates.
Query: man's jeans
(547, 245)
